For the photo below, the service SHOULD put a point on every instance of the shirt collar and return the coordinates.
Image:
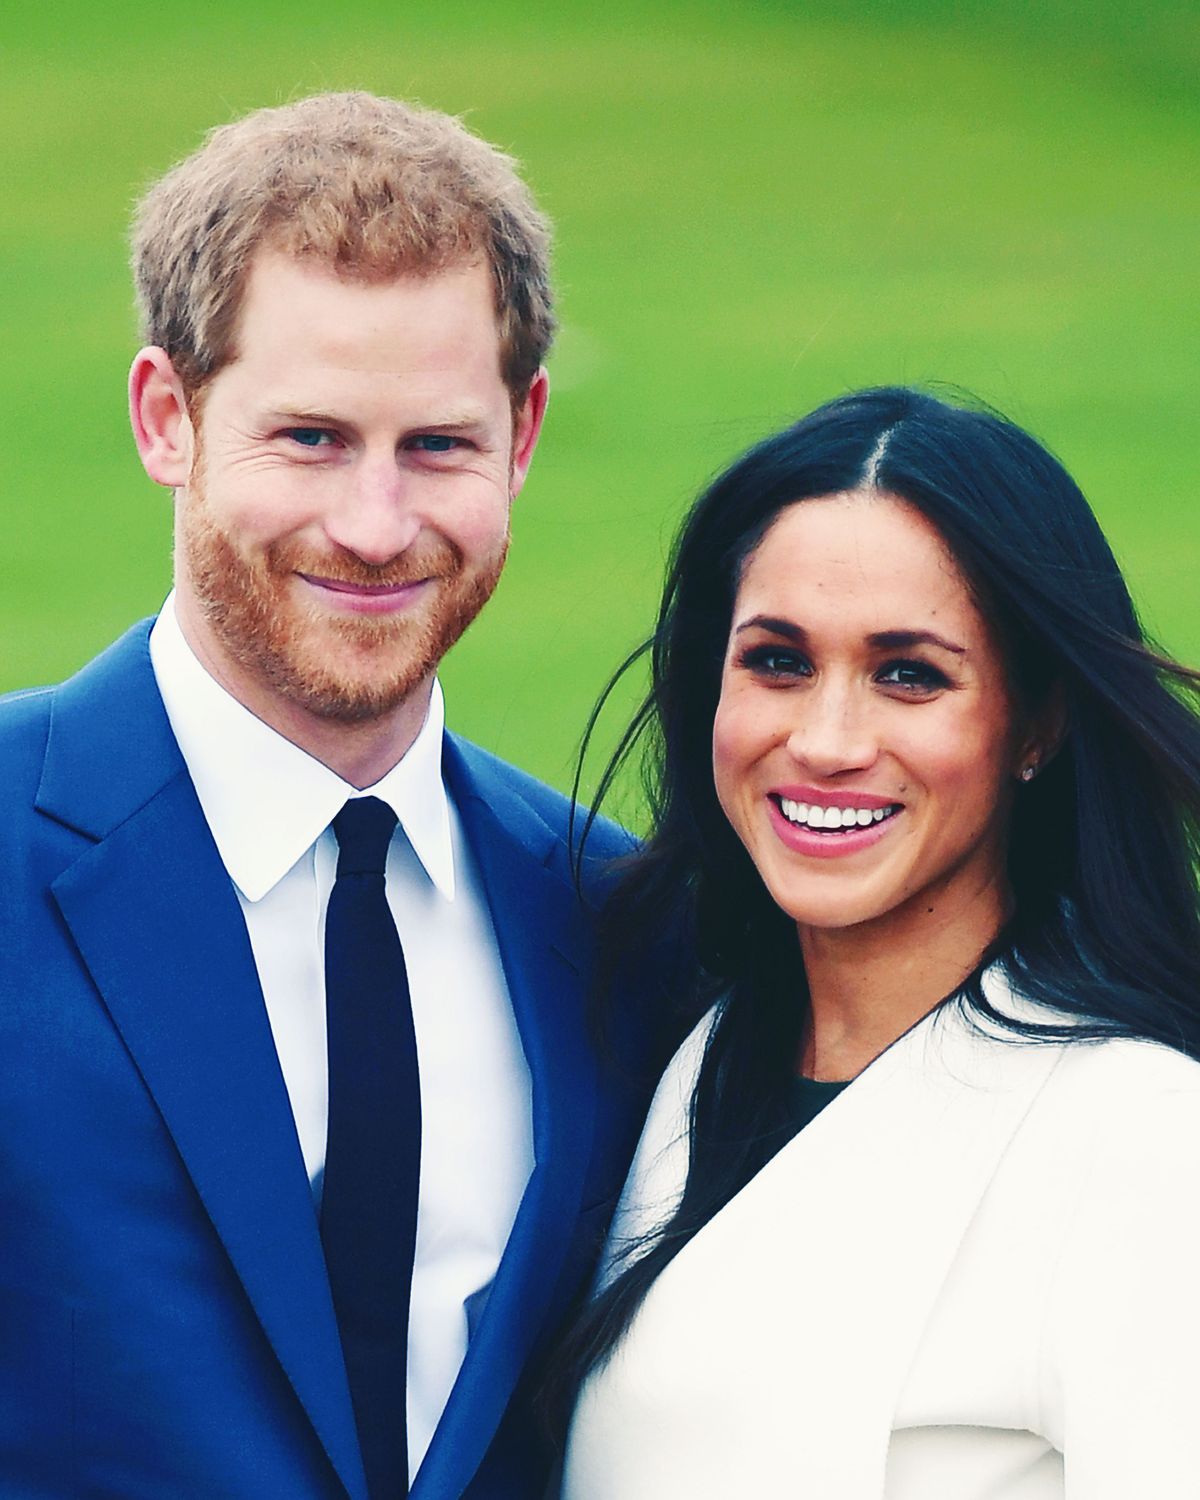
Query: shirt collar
(267, 801)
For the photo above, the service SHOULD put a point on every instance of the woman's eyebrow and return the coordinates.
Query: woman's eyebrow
(883, 640)
(899, 640)
(775, 625)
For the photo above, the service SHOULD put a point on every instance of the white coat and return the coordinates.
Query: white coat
(975, 1276)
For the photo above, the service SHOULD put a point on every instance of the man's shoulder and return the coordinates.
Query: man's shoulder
(27, 706)
(24, 707)
(84, 715)
(24, 727)
(563, 818)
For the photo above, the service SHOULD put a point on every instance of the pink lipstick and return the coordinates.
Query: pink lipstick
(827, 825)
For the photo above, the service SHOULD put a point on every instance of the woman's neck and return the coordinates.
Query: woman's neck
(870, 983)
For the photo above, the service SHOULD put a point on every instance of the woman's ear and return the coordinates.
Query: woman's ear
(158, 414)
(1046, 735)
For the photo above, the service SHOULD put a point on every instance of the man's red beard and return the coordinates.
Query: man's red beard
(345, 667)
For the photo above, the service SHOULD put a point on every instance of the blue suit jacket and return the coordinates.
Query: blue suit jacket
(166, 1330)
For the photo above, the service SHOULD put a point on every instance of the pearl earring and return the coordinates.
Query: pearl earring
(1029, 772)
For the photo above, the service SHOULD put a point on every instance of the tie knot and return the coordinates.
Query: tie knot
(363, 830)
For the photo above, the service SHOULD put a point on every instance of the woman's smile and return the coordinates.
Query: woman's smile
(831, 825)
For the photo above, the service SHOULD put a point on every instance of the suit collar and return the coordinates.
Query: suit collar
(265, 799)
(110, 748)
(486, 793)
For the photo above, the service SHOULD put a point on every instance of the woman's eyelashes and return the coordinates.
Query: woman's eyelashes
(774, 661)
(915, 678)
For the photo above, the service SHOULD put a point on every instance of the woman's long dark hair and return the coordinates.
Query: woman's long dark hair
(1102, 845)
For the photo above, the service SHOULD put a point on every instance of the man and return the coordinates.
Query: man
(303, 1148)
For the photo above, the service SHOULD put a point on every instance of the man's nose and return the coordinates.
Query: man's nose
(377, 516)
(834, 731)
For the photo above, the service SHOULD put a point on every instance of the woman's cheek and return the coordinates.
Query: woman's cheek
(729, 753)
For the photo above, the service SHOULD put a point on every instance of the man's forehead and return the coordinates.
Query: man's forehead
(303, 313)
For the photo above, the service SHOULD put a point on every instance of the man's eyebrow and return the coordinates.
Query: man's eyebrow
(884, 640)
(450, 418)
(304, 416)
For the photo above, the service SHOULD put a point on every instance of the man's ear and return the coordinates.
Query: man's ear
(158, 413)
(527, 425)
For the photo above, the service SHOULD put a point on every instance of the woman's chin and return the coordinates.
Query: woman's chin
(831, 911)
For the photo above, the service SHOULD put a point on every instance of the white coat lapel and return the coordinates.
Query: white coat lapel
(840, 1245)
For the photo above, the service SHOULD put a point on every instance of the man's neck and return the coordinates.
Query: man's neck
(361, 753)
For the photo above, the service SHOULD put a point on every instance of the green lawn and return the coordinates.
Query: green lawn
(758, 206)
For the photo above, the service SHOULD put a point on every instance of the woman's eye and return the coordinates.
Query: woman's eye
(310, 437)
(915, 676)
(775, 661)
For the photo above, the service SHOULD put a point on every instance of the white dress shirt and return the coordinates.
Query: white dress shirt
(269, 806)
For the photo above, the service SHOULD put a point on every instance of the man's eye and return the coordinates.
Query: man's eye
(436, 442)
(310, 437)
(916, 676)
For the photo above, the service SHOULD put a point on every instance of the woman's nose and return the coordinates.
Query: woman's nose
(834, 732)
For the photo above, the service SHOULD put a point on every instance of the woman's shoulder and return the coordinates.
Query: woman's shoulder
(1124, 1114)
(1142, 1099)
(1134, 1065)
(1126, 1063)
(1119, 1098)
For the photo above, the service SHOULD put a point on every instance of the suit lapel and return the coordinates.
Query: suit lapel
(541, 931)
(158, 925)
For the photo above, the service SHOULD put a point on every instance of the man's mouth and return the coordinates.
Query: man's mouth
(350, 597)
(362, 590)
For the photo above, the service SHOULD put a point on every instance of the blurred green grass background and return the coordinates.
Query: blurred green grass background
(758, 206)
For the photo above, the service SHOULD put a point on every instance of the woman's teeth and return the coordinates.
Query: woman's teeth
(812, 816)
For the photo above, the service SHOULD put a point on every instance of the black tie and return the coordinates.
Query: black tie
(373, 1151)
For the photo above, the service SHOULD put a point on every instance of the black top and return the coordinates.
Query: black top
(807, 1097)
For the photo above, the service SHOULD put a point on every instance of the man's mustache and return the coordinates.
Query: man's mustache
(411, 566)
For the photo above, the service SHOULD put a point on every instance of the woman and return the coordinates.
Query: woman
(916, 1213)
